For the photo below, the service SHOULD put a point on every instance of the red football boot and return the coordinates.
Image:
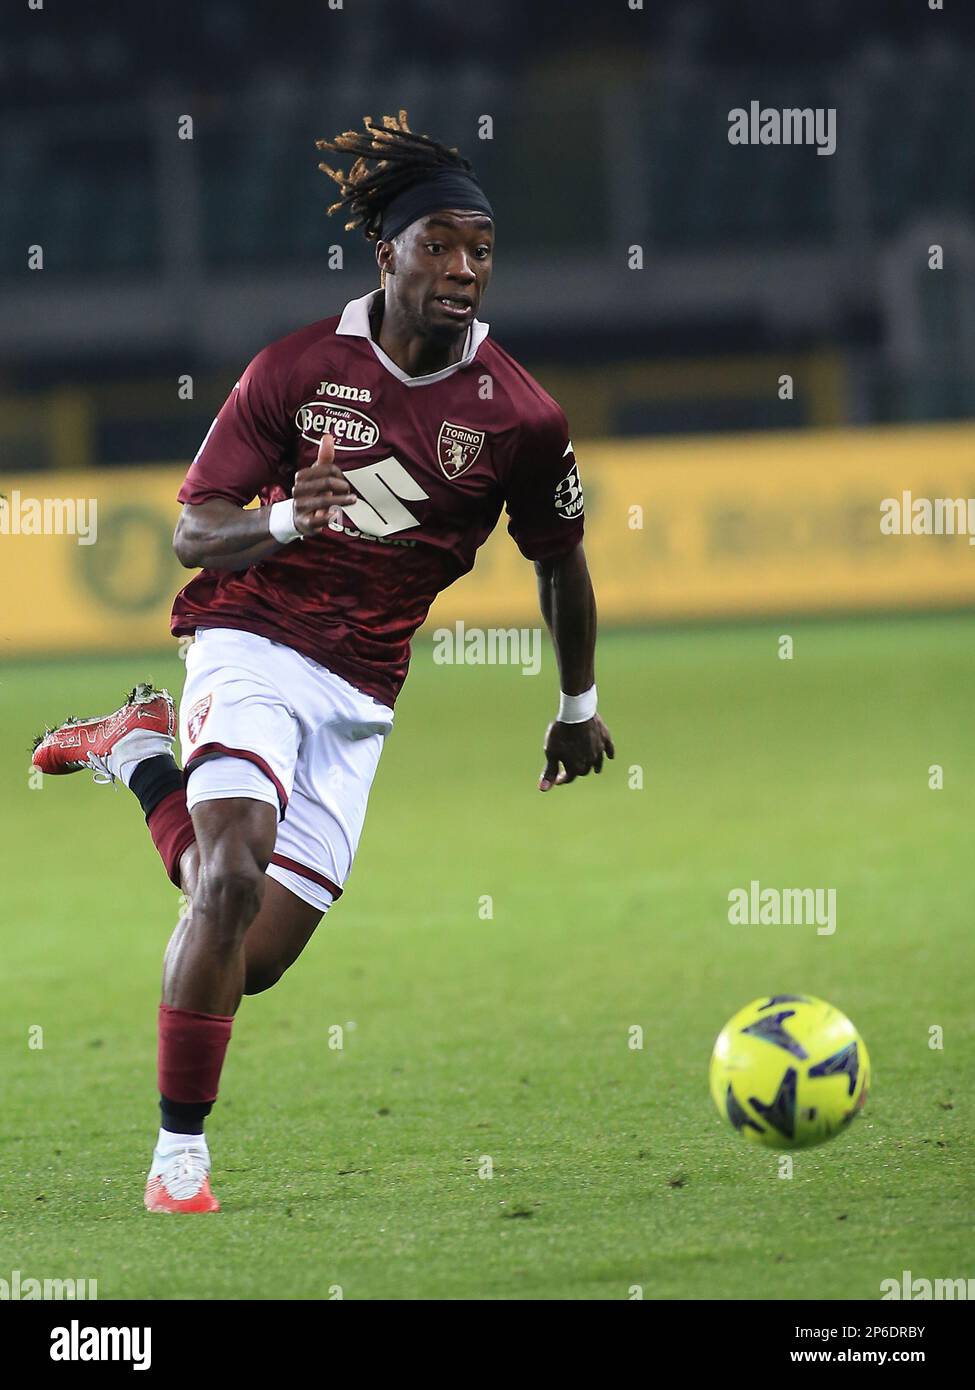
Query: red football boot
(143, 727)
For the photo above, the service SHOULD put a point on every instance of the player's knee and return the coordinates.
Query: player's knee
(228, 898)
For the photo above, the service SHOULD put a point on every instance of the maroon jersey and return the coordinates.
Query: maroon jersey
(432, 459)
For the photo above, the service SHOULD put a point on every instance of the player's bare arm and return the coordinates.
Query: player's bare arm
(573, 747)
(219, 535)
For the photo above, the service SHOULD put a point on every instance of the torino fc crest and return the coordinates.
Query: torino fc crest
(457, 448)
(197, 717)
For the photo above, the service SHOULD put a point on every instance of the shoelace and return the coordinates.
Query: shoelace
(99, 768)
(184, 1173)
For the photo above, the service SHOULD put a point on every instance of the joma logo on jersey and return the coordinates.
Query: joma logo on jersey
(457, 448)
(349, 428)
(568, 495)
(344, 393)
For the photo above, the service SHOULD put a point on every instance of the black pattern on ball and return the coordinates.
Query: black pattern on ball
(781, 1114)
(771, 1030)
(845, 1062)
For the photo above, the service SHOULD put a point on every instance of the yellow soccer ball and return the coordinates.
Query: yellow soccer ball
(789, 1071)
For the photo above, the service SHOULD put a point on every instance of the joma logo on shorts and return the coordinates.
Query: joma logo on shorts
(344, 393)
(349, 428)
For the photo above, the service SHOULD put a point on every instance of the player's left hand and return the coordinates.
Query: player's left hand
(578, 747)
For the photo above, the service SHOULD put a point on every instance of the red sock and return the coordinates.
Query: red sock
(192, 1047)
(172, 831)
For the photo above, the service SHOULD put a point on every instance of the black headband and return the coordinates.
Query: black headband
(445, 188)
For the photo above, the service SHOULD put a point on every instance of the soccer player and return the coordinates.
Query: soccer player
(382, 445)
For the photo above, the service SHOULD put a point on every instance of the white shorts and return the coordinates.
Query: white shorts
(258, 719)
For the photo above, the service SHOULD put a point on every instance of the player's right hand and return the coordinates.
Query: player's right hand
(320, 489)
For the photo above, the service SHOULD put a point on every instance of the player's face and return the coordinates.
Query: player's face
(438, 271)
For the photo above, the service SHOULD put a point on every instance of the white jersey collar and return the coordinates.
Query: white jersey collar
(354, 323)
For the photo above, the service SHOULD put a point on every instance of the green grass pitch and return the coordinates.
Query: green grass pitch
(508, 1038)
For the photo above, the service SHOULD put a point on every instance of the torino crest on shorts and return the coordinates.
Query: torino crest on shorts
(433, 460)
(197, 717)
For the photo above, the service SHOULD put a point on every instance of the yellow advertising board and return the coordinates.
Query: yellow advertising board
(101, 587)
(695, 528)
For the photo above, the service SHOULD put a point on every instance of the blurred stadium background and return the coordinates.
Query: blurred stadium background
(167, 263)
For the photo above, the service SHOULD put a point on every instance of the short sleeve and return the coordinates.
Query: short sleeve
(543, 495)
(243, 448)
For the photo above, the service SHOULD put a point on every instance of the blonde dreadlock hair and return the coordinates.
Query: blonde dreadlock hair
(400, 158)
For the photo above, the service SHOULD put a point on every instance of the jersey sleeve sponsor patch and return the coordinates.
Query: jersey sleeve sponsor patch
(569, 502)
(544, 496)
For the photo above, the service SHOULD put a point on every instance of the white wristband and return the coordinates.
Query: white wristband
(281, 521)
(576, 709)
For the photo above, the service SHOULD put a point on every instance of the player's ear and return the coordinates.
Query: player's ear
(386, 257)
